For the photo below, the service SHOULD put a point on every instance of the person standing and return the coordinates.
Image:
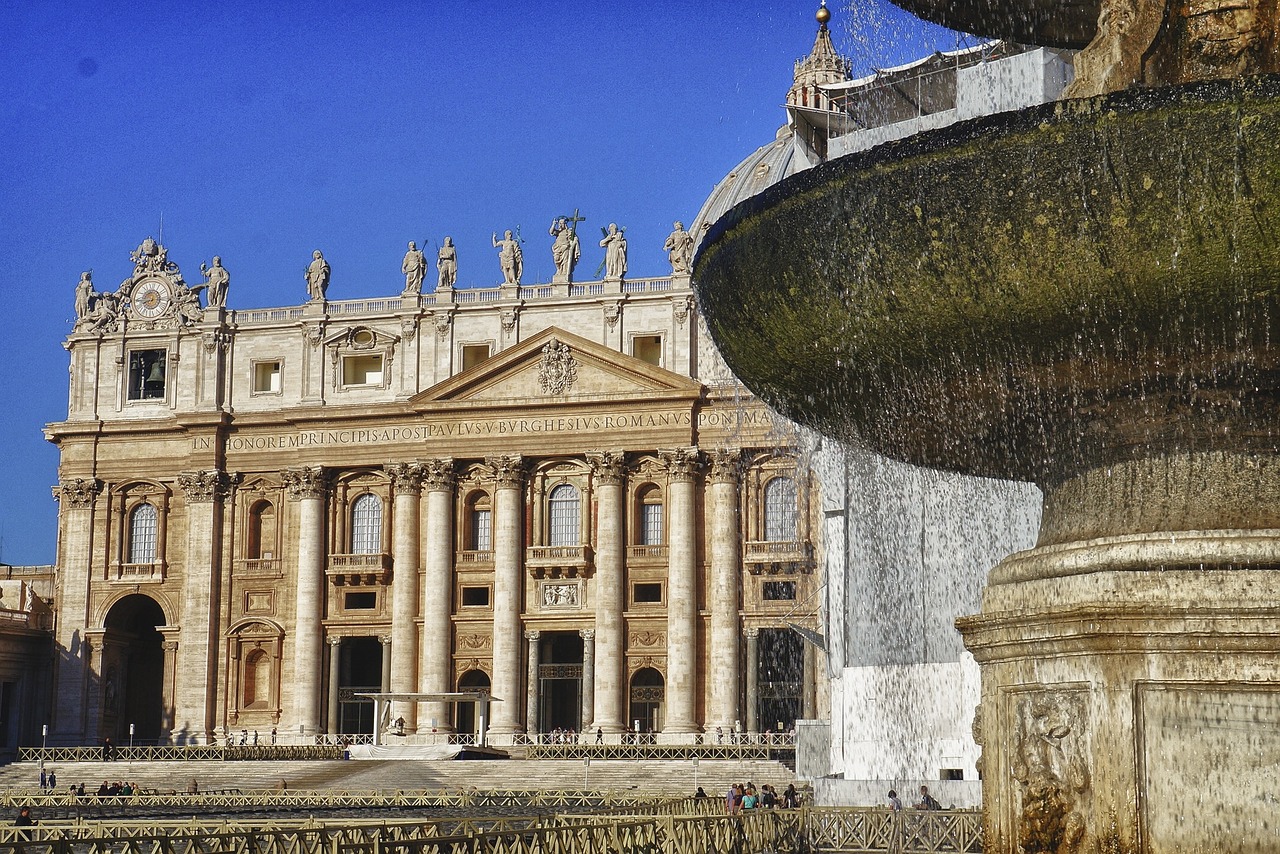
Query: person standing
(219, 279)
(510, 257)
(53, 781)
(895, 803)
(565, 250)
(447, 262)
(414, 267)
(679, 246)
(318, 276)
(927, 801)
(615, 252)
(44, 780)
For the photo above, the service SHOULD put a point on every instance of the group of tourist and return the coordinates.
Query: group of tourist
(560, 736)
(745, 796)
(926, 802)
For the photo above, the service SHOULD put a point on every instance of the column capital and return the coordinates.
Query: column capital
(385, 640)
(751, 632)
(439, 475)
(587, 635)
(532, 635)
(682, 464)
(608, 466)
(333, 642)
(508, 470)
(204, 486)
(78, 493)
(305, 482)
(725, 465)
(406, 478)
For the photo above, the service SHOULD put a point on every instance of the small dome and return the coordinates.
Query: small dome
(763, 168)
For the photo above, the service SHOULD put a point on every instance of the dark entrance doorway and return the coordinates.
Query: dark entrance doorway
(464, 714)
(559, 682)
(647, 693)
(359, 672)
(131, 690)
(781, 678)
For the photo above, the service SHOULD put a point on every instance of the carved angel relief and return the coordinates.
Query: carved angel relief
(1048, 764)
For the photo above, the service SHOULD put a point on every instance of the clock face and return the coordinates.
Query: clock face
(150, 299)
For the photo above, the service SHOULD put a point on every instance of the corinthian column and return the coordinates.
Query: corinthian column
(406, 483)
(609, 685)
(531, 688)
(437, 665)
(753, 679)
(308, 487)
(682, 590)
(508, 473)
(195, 703)
(75, 521)
(725, 650)
(588, 679)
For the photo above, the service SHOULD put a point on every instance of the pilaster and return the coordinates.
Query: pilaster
(196, 701)
(76, 498)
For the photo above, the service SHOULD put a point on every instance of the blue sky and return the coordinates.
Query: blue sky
(259, 132)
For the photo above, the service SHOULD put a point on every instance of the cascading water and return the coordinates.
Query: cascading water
(1080, 296)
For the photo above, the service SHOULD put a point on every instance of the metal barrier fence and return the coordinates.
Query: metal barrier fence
(686, 827)
(181, 753)
(748, 751)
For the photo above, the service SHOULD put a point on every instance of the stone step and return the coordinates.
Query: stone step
(673, 777)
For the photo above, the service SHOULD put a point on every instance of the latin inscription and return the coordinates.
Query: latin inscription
(475, 429)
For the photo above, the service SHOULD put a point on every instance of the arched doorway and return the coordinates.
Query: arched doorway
(464, 714)
(647, 694)
(131, 690)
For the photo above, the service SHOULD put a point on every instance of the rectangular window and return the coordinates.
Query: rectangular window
(266, 377)
(481, 529)
(646, 593)
(360, 601)
(647, 348)
(779, 591)
(952, 774)
(475, 597)
(362, 370)
(147, 370)
(473, 354)
(652, 525)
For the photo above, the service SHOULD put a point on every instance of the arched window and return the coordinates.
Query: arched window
(780, 510)
(262, 531)
(566, 516)
(480, 523)
(257, 679)
(650, 520)
(142, 534)
(366, 525)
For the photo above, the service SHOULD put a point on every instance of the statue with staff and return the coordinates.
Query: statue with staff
(566, 249)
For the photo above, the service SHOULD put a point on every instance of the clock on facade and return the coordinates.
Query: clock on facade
(150, 299)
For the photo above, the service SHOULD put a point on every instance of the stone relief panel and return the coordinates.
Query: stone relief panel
(558, 370)
(1048, 762)
(561, 596)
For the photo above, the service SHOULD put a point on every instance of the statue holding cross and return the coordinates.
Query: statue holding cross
(566, 249)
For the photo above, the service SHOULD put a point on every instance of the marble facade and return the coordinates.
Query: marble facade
(535, 489)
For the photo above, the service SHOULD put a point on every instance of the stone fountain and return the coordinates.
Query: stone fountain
(1084, 295)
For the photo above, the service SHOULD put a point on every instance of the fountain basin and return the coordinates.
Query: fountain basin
(1044, 295)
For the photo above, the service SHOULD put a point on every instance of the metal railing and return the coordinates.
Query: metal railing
(181, 753)
(694, 826)
(589, 750)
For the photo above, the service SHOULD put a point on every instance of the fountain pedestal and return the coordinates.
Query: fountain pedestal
(1086, 296)
(1137, 708)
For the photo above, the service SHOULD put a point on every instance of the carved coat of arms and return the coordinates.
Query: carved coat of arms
(558, 369)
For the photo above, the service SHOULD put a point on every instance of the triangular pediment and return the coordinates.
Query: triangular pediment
(557, 366)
